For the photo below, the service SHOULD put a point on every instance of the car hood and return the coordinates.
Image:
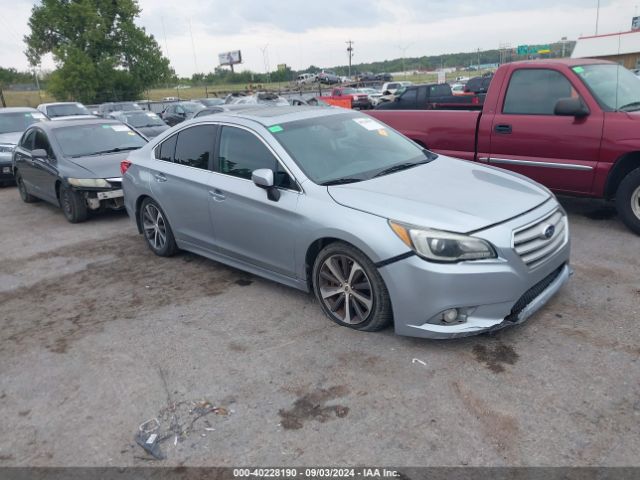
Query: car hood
(100, 166)
(10, 138)
(445, 194)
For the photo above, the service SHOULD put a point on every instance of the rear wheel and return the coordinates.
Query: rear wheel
(350, 289)
(156, 229)
(24, 194)
(73, 205)
(628, 200)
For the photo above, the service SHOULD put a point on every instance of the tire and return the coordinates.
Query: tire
(628, 200)
(156, 229)
(73, 205)
(342, 272)
(22, 188)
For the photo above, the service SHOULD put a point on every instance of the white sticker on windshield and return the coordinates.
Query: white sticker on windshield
(151, 114)
(39, 116)
(368, 123)
(120, 128)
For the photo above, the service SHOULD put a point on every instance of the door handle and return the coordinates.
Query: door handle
(159, 177)
(217, 195)
(503, 128)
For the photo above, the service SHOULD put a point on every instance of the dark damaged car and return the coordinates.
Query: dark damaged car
(74, 164)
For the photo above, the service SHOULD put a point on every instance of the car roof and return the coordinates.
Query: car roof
(267, 116)
(17, 110)
(49, 126)
(570, 62)
(58, 103)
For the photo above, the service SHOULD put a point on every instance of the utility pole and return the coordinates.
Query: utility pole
(265, 59)
(478, 60)
(350, 53)
(597, 16)
(193, 48)
(404, 51)
(564, 41)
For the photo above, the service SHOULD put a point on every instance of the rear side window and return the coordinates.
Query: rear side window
(439, 91)
(194, 146)
(536, 92)
(165, 150)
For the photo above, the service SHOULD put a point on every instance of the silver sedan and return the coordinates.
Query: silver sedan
(334, 202)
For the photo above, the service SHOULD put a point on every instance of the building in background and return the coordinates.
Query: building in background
(623, 48)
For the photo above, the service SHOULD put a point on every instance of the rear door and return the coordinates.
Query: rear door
(526, 137)
(180, 182)
(248, 226)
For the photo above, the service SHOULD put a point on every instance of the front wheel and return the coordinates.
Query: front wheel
(73, 205)
(156, 229)
(628, 200)
(350, 289)
(24, 194)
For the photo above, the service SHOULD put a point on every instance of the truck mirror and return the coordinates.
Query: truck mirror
(571, 107)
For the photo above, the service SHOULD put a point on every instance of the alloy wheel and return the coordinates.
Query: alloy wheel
(345, 289)
(155, 228)
(635, 202)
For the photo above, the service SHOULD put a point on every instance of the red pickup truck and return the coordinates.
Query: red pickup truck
(572, 125)
(348, 97)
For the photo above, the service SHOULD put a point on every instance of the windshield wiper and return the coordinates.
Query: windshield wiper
(112, 150)
(632, 104)
(341, 181)
(400, 166)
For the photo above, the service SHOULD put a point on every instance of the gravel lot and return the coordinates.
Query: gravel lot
(98, 335)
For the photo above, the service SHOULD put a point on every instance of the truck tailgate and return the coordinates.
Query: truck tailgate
(449, 132)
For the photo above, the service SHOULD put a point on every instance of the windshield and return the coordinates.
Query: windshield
(191, 107)
(82, 140)
(211, 102)
(615, 87)
(345, 146)
(67, 109)
(19, 121)
(124, 106)
(143, 119)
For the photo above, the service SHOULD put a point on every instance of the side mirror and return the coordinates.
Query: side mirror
(571, 107)
(263, 178)
(39, 154)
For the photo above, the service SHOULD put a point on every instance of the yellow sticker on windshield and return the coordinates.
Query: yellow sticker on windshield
(383, 132)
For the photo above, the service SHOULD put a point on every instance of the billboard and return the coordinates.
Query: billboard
(230, 58)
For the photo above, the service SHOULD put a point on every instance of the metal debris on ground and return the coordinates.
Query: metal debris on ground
(417, 360)
(176, 421)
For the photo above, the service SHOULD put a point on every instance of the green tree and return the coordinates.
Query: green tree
(100, 52)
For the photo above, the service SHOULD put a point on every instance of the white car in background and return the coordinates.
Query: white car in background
(65, 111)
(373, 94)
(306, 78)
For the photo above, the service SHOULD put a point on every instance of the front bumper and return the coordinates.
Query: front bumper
(493, 293)
(6, 170)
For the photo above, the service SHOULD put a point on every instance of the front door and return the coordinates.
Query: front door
(248, 226)
(560, 152)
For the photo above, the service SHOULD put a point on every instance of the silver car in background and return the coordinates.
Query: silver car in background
(334, 202)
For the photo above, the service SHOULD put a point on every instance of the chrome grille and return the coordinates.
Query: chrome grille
(534, 243)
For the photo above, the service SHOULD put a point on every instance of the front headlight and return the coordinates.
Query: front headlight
(89, 182)
(7, 148)
(440, 246)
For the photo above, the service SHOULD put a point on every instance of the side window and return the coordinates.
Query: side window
(241, 152)
(27, 140)
(409, 96)
(165, 150)
(179, 109)
(195, 146)
(422, 95)
(535, 92)
(41, 141)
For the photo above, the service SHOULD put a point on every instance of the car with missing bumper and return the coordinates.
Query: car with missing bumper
(13, 121)
(74, 164)
(334, 202)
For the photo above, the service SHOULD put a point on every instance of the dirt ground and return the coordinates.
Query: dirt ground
(98, 336)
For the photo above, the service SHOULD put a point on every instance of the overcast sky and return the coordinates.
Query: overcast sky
(301, 33)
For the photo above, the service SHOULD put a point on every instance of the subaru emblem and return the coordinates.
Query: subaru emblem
(548, 231)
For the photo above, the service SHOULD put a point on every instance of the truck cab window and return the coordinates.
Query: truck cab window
(536, 92)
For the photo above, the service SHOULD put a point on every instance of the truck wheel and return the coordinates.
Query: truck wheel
(628, 200)
(350, 289)
(73, 205)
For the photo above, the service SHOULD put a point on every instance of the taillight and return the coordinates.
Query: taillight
(124, 166)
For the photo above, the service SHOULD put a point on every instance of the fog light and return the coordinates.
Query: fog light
(450, 316)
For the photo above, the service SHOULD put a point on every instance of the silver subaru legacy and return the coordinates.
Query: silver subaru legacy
(332, 201)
